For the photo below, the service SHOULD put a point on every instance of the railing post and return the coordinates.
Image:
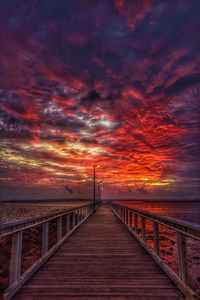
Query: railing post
(182, 256)
(77, 216)
(84, 213)
(45, 238)
(80, 215)
(16, 256)
(67, 222)
(73, 219)
(59, 228)
(127, 216)
(156, 238)
(131, 219)
(135, 222)
(143, 229)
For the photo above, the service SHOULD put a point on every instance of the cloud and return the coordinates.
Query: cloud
(114, 83)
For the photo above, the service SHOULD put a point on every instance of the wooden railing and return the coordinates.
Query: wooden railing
(72, 218)
(130, 217)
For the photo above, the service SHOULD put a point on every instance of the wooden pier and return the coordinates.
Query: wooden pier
(99, 254)
(102, 260)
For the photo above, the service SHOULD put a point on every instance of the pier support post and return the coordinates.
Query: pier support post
(73, 219)
(67, 222)
(136, 223)
(143, 229)
(131, 219)
(156, 238)
(16, 256)
(59, 228)
(182, 256)
(45, 238)
(126, 216)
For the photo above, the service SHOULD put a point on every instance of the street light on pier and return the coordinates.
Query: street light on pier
(94, 182)
(100, 191)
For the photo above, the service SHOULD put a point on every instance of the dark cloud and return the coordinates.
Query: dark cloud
(111, 82)
(185, 82)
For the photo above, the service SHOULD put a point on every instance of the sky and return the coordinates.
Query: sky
(113, 83)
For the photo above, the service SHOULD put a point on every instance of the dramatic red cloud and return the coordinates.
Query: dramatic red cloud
(109, 83)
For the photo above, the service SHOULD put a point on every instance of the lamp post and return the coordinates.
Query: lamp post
(100, 189)
(94, 183)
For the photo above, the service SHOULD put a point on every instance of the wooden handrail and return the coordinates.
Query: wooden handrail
(183, 229)
(187, 228)
(73, 218)
(8, 227)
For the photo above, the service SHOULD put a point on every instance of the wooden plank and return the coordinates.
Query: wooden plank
(102, 260)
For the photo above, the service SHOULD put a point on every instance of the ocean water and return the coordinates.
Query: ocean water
(10, 211)
(184, 210)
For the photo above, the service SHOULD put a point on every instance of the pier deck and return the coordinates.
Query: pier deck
(101, 260)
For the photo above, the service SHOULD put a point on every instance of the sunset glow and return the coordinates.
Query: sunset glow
(114, 83)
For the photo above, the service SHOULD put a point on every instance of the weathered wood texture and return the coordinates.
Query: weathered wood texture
(102, 260)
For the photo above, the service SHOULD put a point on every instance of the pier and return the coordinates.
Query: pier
(99, 254)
